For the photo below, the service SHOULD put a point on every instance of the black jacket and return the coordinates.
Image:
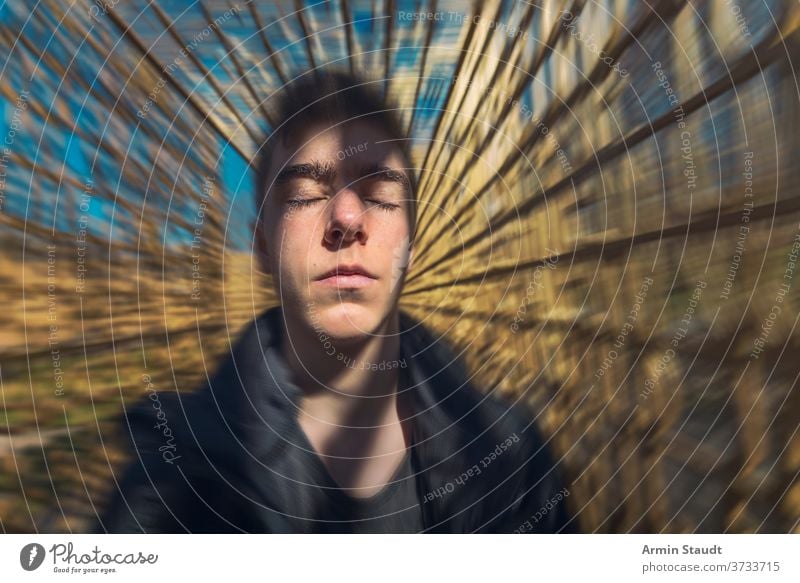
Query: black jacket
(203, 460)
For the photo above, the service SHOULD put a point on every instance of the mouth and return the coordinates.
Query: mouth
(350, 276)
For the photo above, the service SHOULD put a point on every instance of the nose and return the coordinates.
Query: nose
(345, 220)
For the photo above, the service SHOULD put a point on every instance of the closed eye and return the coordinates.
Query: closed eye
(294, 203)
(387, 206)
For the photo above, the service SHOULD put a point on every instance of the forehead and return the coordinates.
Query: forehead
(348, 145)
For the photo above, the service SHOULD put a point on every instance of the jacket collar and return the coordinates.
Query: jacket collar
(259, 404)
(255, 395)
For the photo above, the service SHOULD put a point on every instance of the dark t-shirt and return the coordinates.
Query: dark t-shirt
(394, 509)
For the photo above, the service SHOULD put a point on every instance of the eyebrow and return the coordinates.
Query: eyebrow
(378, 172)
(324, 172)
(314, 170)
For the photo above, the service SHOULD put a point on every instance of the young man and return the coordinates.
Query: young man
(337, 412)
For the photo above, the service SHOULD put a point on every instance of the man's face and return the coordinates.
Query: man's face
(335, 234)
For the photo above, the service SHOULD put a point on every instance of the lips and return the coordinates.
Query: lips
(347, 276)
(343, 270)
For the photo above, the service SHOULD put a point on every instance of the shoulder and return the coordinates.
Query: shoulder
(536, 498)
(521, 460)
(167, 484)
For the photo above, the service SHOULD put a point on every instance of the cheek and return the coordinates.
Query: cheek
(295, 241)
(393, 238)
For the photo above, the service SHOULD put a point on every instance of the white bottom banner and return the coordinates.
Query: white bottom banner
(397, 558)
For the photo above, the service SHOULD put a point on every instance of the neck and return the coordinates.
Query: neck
(344, 388)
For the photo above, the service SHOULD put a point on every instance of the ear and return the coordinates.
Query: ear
(261, 246)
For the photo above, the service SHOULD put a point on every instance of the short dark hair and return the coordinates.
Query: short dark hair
(331, 98)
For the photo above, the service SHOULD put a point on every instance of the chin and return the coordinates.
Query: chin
(347, 322)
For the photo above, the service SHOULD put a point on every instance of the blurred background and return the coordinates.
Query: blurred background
(609, 229)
